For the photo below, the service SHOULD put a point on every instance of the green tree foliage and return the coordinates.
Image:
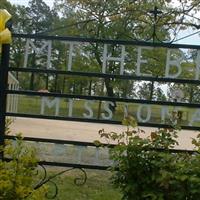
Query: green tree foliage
(116, 20)
(128, 20)
(189, 71)
(36, 18)
(113, 19)
(40, 17)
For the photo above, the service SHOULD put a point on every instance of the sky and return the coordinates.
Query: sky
(25, 2)
(195, 39)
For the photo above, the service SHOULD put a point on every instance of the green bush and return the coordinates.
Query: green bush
(146, 168)
(17, 175)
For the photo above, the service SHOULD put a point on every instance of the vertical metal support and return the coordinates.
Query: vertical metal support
(3, 86)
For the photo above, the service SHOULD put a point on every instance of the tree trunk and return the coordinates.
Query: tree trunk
(110, 92)
(191, 94)
(63, 85)
(74, 88)
(151, 90)
(32, 73)
(32, 81)
(109, 87)
(56, 82)
(47, 81)
(81, 89)
(90, 88)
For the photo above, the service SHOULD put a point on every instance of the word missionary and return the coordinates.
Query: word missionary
(143, 113)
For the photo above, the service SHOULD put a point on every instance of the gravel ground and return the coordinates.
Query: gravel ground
(80, 131)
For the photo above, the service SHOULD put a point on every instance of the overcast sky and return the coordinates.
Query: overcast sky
(25, 2)
(195, 39)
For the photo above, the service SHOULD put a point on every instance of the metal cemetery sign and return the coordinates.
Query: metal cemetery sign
(106, 80)
(93, 80)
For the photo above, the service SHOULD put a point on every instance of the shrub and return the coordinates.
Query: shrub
(17, 173)
(148, 169)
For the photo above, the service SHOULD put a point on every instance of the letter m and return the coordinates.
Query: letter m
(45, 46)
(50, 103)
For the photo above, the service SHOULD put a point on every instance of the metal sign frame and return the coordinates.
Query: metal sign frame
(4, 91)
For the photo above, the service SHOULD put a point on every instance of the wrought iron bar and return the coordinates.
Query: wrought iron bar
(77, 119)
(103, 98)
(107, 41)
(103, 75)
(3, 86)
(80, 143)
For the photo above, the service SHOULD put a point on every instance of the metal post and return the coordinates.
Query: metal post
(3, 86)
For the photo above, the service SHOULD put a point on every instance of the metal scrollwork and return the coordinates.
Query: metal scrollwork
(53, 194)
(43, 178)
(79, 181)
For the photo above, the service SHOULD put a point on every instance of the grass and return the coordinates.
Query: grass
(97, 187)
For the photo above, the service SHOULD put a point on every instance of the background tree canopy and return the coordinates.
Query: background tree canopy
(158, 20)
